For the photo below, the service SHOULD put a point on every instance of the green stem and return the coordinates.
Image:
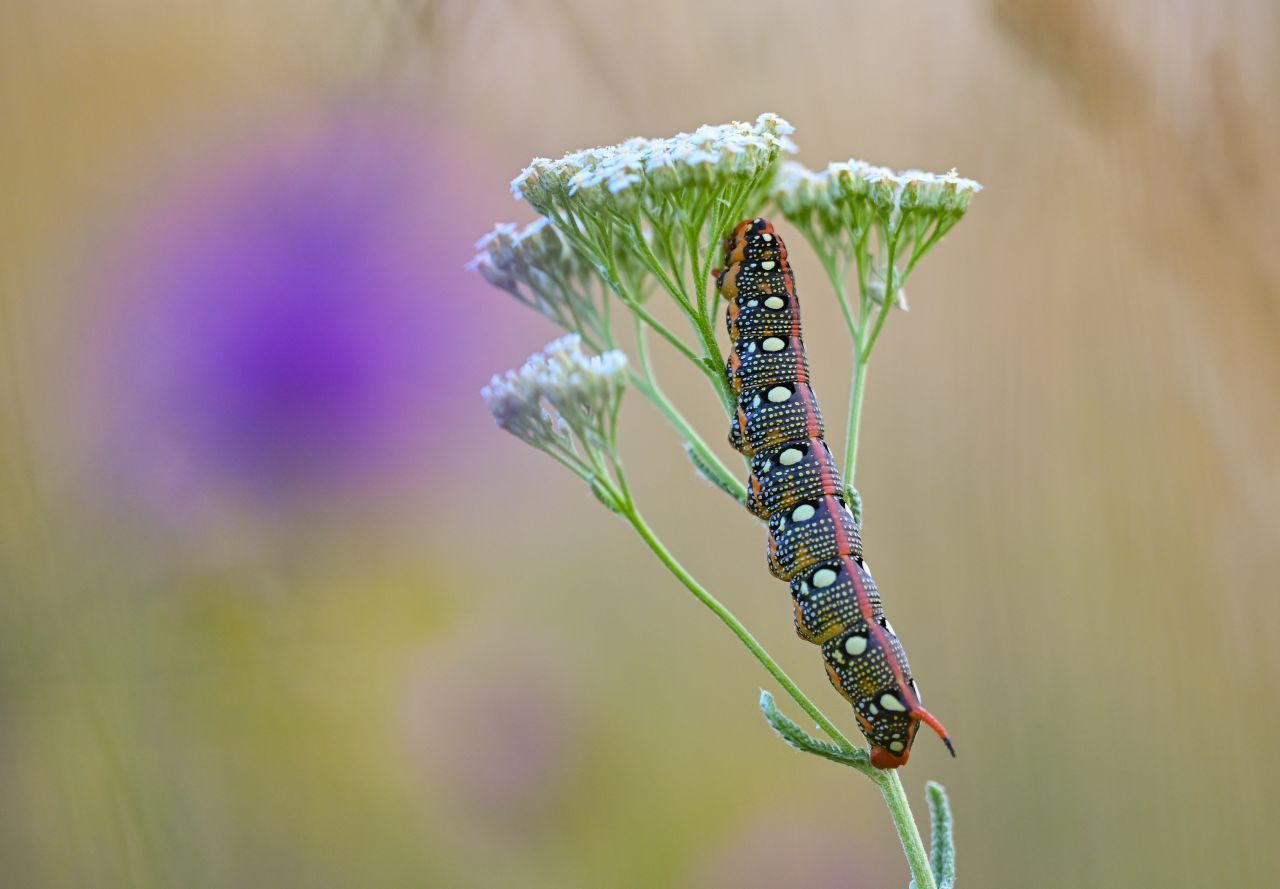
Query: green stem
(836, 277)
(855, 414)
(664, 555)
(648, 386)
(895, 797)
(864, 340)
(713, 363)
(888, 781)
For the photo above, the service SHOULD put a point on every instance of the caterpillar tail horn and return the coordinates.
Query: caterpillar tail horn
(930, 720)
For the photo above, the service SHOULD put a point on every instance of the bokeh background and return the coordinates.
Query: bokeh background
(281, 607)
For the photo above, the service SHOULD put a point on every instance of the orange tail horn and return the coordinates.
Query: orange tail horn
(932, 721)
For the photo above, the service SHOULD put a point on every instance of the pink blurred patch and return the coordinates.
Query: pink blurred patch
(491, 725)
(794, 849)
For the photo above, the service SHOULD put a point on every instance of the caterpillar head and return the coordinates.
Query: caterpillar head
(751, 239)
(890, 721)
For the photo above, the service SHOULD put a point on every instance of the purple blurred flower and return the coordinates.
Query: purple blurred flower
(289, 323)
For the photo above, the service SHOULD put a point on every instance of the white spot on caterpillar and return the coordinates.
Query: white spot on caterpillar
(775, 302)
(803, 513)
(751, 347)
(855, 645)
(755, 402)
(752, 303)
(768, 265)
(773, 344)
(873, 709)
(804, 587)
(778, 394)
(766, 237)
(768, 464)
(891, 702)
(897, 746)
(790, 456)
(823, 577)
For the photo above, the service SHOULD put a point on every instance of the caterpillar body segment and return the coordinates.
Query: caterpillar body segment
(795, 486)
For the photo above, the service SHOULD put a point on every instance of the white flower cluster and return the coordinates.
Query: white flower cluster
(509, 255)
(539, 268)
(583, 390)
(618, 175)
(859, 188)
(542, 269)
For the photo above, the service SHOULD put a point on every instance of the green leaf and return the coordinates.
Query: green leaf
(604, 493)
(854, 501)
(799, 739)
(942, 854)
(709, 473)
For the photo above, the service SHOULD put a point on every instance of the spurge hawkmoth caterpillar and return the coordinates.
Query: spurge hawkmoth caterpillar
(795, 486)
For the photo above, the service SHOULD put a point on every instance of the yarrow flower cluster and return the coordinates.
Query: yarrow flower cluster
(840, 207)
(878, 190)
(663, 201)
(639, 171)
(561, 393)
(543, 270)
(509, 255)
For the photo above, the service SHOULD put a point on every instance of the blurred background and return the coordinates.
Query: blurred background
(281, 607)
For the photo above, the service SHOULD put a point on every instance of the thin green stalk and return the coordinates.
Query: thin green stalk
(655, 265)
(880, 319)
(647, 384)
(836, 277)
(713, 361)
(632, 515)
(895, 797)
(864, 340)
(853, 428)
(888, 781)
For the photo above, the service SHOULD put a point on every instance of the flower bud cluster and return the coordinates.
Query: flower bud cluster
(855, 192)
(559, 392)
(641, 172)
(541, 269)
(839, 208)
(510, 256)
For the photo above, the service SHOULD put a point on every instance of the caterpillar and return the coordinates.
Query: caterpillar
(795, 486)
